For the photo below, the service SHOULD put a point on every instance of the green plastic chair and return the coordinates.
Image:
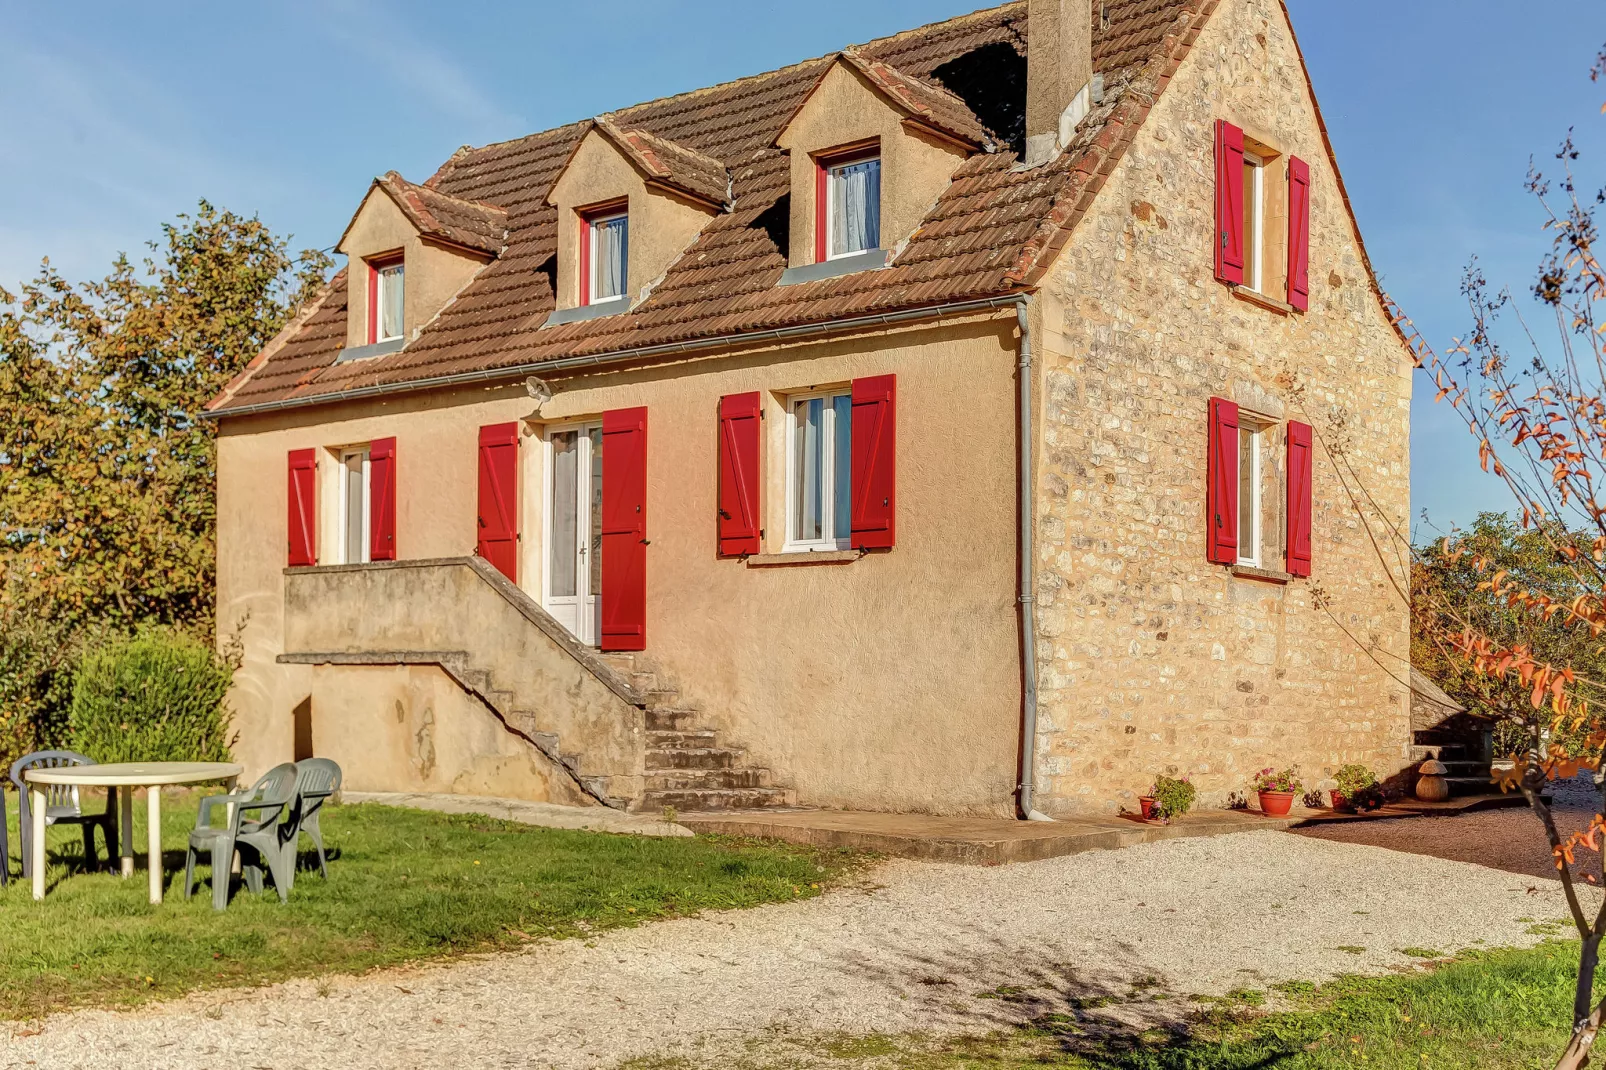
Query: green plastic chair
(316, 780)
(263, 837)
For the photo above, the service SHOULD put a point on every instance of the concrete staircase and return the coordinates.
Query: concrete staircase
(686, 767)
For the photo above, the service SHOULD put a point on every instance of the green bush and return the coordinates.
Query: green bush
(1172, 796)
(156, 696)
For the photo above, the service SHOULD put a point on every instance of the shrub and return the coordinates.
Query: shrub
(156, 696)
(1354, 779)
(1173, 796)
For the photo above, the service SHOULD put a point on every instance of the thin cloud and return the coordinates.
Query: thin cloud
(370, 31)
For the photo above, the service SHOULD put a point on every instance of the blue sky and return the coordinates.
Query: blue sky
(115, 117)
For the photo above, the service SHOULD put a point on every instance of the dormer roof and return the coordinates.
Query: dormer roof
(664, 163)
(991, 233)
(472, 225)
(920, 101)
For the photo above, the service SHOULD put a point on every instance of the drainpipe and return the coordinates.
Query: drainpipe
(1028, 749)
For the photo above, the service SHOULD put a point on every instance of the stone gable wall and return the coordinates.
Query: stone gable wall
(1149, 656)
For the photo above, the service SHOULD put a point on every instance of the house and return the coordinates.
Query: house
(968, 422)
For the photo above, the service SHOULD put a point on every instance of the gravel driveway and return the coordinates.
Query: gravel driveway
(913, 948)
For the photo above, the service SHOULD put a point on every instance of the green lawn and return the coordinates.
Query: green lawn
(1497, 1010)
(406, 885)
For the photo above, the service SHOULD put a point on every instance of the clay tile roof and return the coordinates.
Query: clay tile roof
(665, 163)
(931, 104)
(990, 234)
(470, 224)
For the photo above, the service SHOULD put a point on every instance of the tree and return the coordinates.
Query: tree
(1446, 596)
(1540, 426)
(107, 490)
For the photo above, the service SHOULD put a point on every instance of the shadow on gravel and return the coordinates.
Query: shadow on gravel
(1113, 1019)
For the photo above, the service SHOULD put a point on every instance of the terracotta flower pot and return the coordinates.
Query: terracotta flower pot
(1341, 802)
(1276, 803)
(1147, 805)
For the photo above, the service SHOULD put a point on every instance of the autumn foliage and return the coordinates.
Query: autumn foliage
(1533, 632)
(107, 503)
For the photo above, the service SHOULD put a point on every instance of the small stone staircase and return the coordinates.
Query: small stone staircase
(1464, 753)
(686, 767)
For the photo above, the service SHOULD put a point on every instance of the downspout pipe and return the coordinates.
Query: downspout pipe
(1028, 612)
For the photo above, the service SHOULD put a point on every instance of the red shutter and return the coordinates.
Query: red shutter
(822, 207)
(499, 498)
(874, 489)
(1299, 233)
(1299, 495)
(303, 501)
(624, 529)
(373, 303)
(1222, 533)
(738, 474)
(382, 499)
(1229, 203)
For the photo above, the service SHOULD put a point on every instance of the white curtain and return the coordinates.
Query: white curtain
(856, 220)
(611, 254)
(808, 519)
(390, 301)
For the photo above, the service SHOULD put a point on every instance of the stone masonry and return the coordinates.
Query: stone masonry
(1150, 657)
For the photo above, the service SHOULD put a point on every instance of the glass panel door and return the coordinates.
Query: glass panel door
(573, 573)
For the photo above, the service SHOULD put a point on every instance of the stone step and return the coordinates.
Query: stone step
(691, 758)
(700, 738)
(670, 719)
(662, 696)
(500, 701)
(643, 681)
(478, 680)
(693, 800)
(1471, 785)
(618, 662)
(1439, 751)
(706, 779)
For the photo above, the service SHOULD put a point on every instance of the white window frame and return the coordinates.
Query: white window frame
(1255, 216)
(794, 544)
(1256, 501)
(381, 286)
(344, 506)
(831, 168)
(592, 223)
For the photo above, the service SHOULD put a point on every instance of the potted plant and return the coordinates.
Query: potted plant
(1169, 798)
(1278, 789)
(1355, 787)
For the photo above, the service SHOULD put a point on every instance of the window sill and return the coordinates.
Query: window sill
(804, 557)
(1270, 304)
(869, 260)
(1250, 572)
(587, 312)
(378, 349)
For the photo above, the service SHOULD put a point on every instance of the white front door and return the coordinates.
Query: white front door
(573, 573)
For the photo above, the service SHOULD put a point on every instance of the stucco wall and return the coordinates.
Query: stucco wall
(662, 224)
(411, 728)
(434, 273)
(446, 606)
(1150, 657)
(915, 167)
(891, 682)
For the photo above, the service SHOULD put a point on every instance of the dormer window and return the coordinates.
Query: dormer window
(848, 215)
(605, 255)
(386, 299)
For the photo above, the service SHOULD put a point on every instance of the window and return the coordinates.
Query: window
(1254, 221)
(604, 257)
(1249, 494)
(354, 481)
(386, 299)
(851, 205)
(818, 459)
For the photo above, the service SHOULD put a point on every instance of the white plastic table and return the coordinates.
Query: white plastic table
(127, 775)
